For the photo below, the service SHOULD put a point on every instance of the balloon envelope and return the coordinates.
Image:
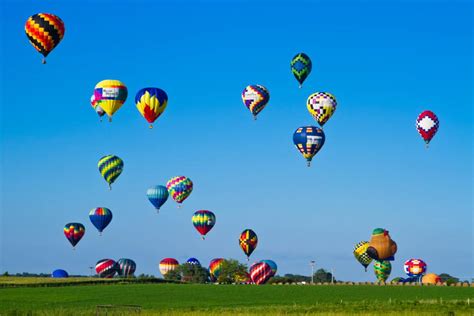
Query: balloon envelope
(193, 261)
(100, 217)
(167, 265)
(203, 221)
(414, 267)
(110, 167)
(321, 105)
(157, 195)
(215, 267)
(59, 273)
(260, 273)
(301, 67)
(74, 232)
(427, 125)
(360, 253)
(111, 95)
(179, 188)
(151, 103)
(248, 241)
(126, 267)
(106, 268)
(272, 265)
(45, 31)
(309, 140)
(382, 270)
(255, 98)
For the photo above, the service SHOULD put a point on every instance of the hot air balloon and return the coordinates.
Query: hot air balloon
(45, 31)
(59, 273)
(106, 268)
(193, 261)
(415, 268)
(360, 253)
(167, 265)
(126, 267)
(301, 66)
(382, 270)
(157, 195)
(111, 95)
(272, 265)
(431, 278)
(309, 140)
(110, 168)
(215, 268)
(321, 105)
(260, 273)
(381, 246)
(97, 108)
(248, 242)
(255, 98)
(100, 217)
(151, 102)
(74, 233)
(180, 188)
(427, 125)
(203, 221)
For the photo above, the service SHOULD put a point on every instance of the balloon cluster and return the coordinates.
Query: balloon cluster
(107, 268)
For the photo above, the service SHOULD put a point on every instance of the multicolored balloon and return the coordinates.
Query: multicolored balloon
(382, 270)
(110, 168)
(157, 195)
(415, 267)
(100, 218)
(167, 265)
(248, 242)
(111, 95)
(272, 265)
(215, 268)
(360, 253)
(427, 125)
(260, 273)
(74, 233)
(255, 98)
(203, 221)
(45, 31)
(301, 66)
(97, 108)
(193, 261)
(106, 268)
(309, 140)
(321, 105)
(180, 188)
(151, 103)
(126, 267)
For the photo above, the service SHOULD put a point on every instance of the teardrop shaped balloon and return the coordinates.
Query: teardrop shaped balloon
(167, 265)
(215, 268)
(255, 98)
(260, 273)
(382, 270)
(74, 233)
(45, 31)
(309, 140)
(111, 95)
(100, 217)
(203, 221)
(321, 105)
(301, 66)
(126, 267)
(179, 188)
(427, 125)
(106, 268)
(96, 107)
(360, 253)
(157, 195)
(151, 103)
(110, 168)
(248, 242)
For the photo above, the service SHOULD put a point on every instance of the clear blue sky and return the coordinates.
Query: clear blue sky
(385, 63)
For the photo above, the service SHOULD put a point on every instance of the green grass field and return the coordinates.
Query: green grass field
(175, 299)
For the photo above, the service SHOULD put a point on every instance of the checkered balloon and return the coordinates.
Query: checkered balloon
(321, 105)
(255, 98)
(414, 267)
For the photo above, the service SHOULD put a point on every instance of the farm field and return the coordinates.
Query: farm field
(190, 299)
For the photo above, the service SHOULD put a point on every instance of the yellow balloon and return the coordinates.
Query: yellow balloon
(321, 105)
(111, 95)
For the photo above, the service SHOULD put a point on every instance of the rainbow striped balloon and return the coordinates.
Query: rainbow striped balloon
(215, 268)
(110, 168)
(203, 221)
(74, 233)
(179, 188)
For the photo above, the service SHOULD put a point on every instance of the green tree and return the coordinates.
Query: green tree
(232, 271)
(173, 275)
(193, 273)
(448, 279)
(323, 276)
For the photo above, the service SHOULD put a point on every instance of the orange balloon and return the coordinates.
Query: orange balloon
(431, 278)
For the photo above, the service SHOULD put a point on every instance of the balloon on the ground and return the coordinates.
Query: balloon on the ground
(45, 31)
(111, 95)
(308, 140)
(431, 278)
(255, 98)
(272, 265)
(59, 273)
(106, 268)
(100, 218)
(381, 246)
(248, 241)
(203, 221)
(126, 267)
(167, 265)
(321, 105)
(360, 253)
(157, 195)
(382, 270)
(414, 267)
(215, 268)
(74, 232)
(301, 66)
(179, 188)
(193, 261)
(151, 102)
(260, 272)
(427, 125)
(110, 168)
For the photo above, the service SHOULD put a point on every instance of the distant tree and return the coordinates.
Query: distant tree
(448, 279)
(296, 278)
(173, 275)
(6, 274)
(193, 273)
(232, 271)
(322, 276)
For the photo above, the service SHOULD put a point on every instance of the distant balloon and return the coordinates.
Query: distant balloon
(360, 253)
(167, 265)
(111, 95)
(59, 273)
(97, 108)
(301, 66)
(180, 188)
(272, 265)
(203, 221)
(126, 267)
(110, 168)
(431, 278)
(74, 232)
(248, 242)
(381, 246)
(215, 268)
(100, 218)
(193, 261)
(309, 140)
(321, 105)
(414, 267)
(157, 195)
(255, 98)
(151, 103)
(45, 31)
(427, 125)
(106, 268)
(260, 273)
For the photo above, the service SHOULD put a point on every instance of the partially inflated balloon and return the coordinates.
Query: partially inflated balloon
(111, 95)
(260, 273)
(106, 268)
(431, 278)
(151, 102)
(215, 268)
(167, 265)
(301, 66)
(427, 125)
(45, 31)
(203, 221)
(100, 218)
(59, 273)
(110, 168)
(126, 267)
(255, 98)
(382, 270)
(74, 232)
(360, 253)
(321, 105)
(308, 140)
(180, 188)
(248, 241)
(157, 195)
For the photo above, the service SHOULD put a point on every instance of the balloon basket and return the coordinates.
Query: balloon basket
(308, 163)
(179, 205)
(254, 117)
(100, 233)
(110, 118)
(151, 126)
(203, 238)
(43, 61)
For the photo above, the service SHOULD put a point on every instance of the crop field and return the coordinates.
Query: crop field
(210, 299)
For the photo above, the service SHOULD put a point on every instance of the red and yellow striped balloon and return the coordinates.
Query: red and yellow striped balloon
(45, 31)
